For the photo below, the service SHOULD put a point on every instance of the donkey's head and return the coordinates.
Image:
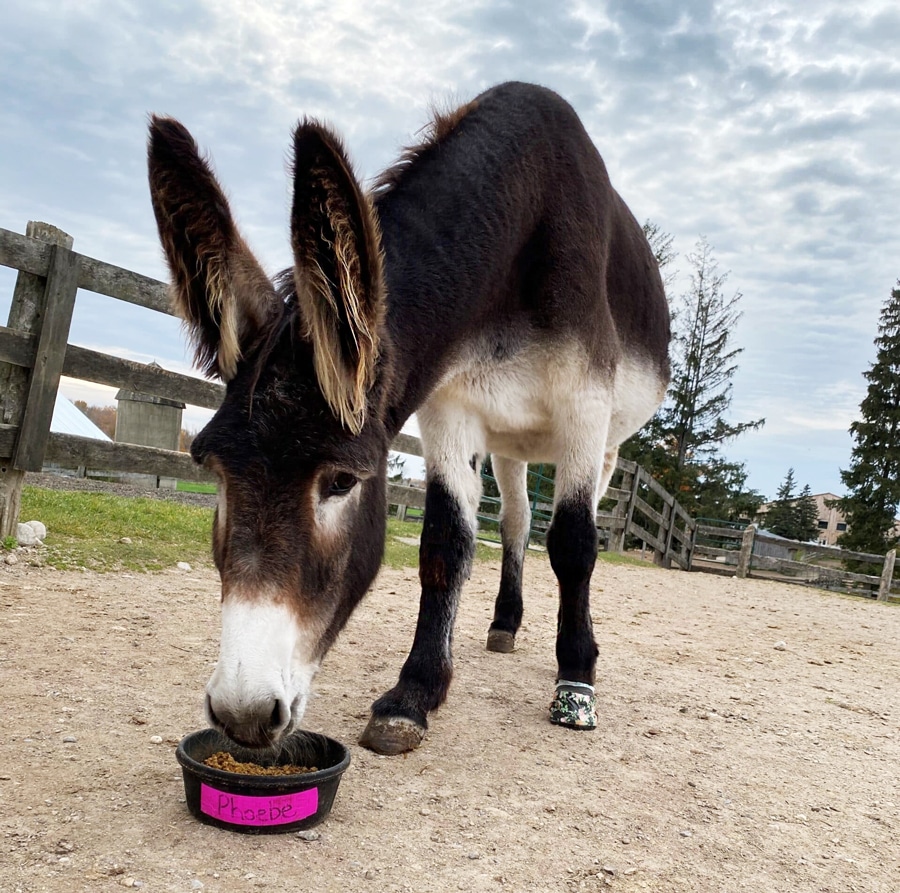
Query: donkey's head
(298, 445)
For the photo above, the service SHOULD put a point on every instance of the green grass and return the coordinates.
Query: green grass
(85, 531)
(195, 487)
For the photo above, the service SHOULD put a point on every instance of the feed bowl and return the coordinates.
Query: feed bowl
(262, 804)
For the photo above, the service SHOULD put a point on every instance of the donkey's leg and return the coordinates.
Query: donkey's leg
(399, 717)
(572, 547)
(515, 522)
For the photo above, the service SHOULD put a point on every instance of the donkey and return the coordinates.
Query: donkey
(494, 283)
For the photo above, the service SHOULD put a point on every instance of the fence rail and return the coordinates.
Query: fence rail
(749, 550)
(35, 353)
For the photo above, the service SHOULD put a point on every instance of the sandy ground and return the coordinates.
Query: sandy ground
(750, 740)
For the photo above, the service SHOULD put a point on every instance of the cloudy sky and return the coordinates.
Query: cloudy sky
(768, 128)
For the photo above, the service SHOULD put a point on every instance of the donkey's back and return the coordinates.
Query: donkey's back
(530, 323)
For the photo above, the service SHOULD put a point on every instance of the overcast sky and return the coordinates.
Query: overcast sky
(769, 128)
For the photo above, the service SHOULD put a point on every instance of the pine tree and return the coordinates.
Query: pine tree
(806, 512)
(781, 519)
(704, 364)
(873, 478)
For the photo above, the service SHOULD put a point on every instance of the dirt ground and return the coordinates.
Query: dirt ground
(750, 740)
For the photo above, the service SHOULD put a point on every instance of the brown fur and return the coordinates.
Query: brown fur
(442, 124)
(340, 292)
(218, 287)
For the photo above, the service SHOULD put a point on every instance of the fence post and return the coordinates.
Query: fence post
(887, 574)
(661, 559)
(743, 565)
(25, 315)
(629, 514)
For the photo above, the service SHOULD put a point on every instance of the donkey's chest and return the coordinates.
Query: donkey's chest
(515, 406)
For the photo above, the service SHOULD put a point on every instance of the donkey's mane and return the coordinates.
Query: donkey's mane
(442, 124)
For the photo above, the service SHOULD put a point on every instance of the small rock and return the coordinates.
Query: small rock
(473, 855)
(40, 531)
(686, 833)
(183, 566)
(424, 811)
(608, 869)
(196, 884)
(780, 646)
(309, 834)
(370, 875)
(11, 559)
(156, 739)
(70, 739)
(26, 536)
(125, 540)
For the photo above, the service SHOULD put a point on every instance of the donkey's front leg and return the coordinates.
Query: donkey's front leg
(572, 547)
(399, 717)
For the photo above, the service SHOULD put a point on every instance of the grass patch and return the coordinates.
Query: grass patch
(85, 529)
(195, 487)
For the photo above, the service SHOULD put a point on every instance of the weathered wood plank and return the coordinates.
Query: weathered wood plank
(641, 533)
(8, 435)
(59, 302)
(811, 570)
(126, 285)
(649, 512)
(17, 347)
(406, 443)
(71, 451)
(399, 495)
(626, 465)
(720, 532)
(23, 253)
(887, 576)
(731, 555)
(656, 487)
(90, 365)
(828, 551)
(24, 315)
(32, 255)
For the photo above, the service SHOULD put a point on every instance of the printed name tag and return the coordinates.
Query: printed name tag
(258, 811)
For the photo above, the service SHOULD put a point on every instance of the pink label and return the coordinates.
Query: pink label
(258, 811)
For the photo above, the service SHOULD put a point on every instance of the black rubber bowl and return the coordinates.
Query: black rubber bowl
(262, 804)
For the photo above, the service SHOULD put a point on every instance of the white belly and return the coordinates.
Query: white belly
(530, 405)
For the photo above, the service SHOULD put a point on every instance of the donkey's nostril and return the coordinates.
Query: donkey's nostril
(278, 718)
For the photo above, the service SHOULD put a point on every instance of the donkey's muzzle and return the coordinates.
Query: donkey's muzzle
(260, 724)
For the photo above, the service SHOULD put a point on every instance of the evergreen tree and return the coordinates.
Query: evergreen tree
(781, 519)
(807, 516)
(704, 364)
(873, 478)
(681, 445)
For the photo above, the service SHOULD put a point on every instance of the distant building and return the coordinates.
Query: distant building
(69, 419)
(831, 522)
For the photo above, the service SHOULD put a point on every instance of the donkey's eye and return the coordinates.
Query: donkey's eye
(342, 483)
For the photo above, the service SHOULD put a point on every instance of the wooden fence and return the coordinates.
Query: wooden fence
(34, 353)
(755, 553)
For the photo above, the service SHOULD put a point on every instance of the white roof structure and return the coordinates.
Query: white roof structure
(69, 419)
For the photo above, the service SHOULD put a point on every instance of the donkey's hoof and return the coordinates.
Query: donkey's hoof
(501, 641)
(574, 706)
(391, 735)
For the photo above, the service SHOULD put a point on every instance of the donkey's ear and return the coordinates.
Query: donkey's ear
(218, 287)
(337, 271)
